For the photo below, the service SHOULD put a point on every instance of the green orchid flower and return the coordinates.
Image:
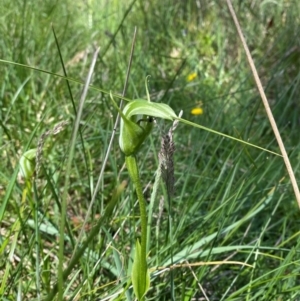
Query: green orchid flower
(137, 120)
(27, 164)
(133, 131)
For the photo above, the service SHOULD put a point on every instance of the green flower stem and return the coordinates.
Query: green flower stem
(135, 178)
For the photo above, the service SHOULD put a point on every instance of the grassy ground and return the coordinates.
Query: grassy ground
(232, 202)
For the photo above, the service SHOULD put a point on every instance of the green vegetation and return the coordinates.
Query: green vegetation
(229, 232)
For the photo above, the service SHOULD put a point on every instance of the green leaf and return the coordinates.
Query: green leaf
(140, 282)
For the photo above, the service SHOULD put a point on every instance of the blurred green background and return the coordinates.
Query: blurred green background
(232, 202)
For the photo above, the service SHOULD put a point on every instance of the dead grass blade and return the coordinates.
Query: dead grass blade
(266, 104)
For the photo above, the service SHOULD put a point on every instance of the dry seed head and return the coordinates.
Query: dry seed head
(166, 158)
(166, 162)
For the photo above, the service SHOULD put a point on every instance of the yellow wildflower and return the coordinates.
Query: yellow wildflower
(197, 111)
(191, 76)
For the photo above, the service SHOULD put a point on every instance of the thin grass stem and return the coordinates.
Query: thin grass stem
(67, 179)
(110, 142)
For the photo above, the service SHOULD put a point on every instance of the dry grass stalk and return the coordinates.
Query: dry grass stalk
(57, 129)
(266, 105)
